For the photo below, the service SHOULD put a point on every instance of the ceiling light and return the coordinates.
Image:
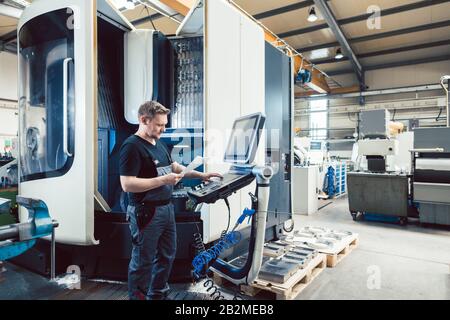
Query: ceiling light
(339, 54)
(312, 15)
(130, 5)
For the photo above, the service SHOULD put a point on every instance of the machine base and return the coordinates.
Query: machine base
(109, 259)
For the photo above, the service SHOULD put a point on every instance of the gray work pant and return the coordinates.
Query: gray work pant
(153, 253)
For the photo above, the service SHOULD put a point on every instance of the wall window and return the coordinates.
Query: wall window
(318, 119)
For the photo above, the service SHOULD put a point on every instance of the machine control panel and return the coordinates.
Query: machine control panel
(240, 152)
(210, 192)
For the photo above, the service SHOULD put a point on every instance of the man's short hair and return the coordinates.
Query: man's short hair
(150, 109)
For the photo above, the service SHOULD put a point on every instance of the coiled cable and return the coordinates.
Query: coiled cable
(203, 259)
(215, 293)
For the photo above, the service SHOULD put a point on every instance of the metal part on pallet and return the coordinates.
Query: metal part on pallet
(277, 270)
(331, 237)
(273, 250)
(304, 234)
(241, 260)
(284, 244)
(305, 252)
(298, 259)
(315, 229)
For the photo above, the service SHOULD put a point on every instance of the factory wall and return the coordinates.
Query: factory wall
(8, 76)
(425, 73)
(8, 98)
(422, 74)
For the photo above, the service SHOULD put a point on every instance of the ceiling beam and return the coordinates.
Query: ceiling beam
(364, 17)
(8, 48)
(21, 4)
(285, 9)
(394, 64)
(143, 20)
(351, 89)
(180, 6)
(423, 27)
(10, 11)
(329, 17)
(9, 37)
(420, 88)
(387, 51)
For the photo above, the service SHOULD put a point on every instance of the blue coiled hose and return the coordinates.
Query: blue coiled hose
(227, 240)
(204, 258)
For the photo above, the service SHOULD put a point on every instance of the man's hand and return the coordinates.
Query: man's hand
(172, 178)
(207, 176)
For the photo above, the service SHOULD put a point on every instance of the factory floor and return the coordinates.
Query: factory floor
(412, 262)
(390, 262)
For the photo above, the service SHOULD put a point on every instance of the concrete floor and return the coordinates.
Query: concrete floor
(412, 262)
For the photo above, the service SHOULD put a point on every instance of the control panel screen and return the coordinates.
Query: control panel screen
(244, 139)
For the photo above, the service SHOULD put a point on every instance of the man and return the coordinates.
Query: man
(148, 174)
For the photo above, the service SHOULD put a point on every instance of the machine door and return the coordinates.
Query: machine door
(56, 113)
(46, 97)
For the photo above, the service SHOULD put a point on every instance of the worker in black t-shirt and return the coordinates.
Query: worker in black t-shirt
(148, 174)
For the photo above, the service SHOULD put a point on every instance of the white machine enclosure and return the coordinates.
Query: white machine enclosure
(68, 188)
(241, 45)
(138, 71)
(377, 147)
(305, 190)
(70, 196)
(318, 152)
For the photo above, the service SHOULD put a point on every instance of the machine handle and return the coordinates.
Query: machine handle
(424, 150)
(65, 122)
(287, 166)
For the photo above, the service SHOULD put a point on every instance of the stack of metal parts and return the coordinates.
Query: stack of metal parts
(280, 269)
(318, 238)
(281, 260)
(275, 249)
(188, 112)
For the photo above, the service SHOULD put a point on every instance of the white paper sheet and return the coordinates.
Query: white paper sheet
(197, 162)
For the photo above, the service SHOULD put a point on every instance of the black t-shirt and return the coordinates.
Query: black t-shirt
(139, 158)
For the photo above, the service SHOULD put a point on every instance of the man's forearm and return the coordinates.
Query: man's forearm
(137, 185)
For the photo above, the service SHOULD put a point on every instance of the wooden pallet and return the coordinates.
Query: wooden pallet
(292, 287)
(341, 251)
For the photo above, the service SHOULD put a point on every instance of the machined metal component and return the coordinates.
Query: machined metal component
(242, 260)
(273, 250)
(277, 270)
(304, 234)
(305, 251)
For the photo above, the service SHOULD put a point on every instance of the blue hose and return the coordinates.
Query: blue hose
(204, 258)
(228, 240)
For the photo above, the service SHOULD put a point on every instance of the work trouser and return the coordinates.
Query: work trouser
(153, 253)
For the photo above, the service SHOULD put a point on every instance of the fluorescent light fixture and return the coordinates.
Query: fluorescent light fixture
(312, 15)
(124, 4)
(130, 5)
